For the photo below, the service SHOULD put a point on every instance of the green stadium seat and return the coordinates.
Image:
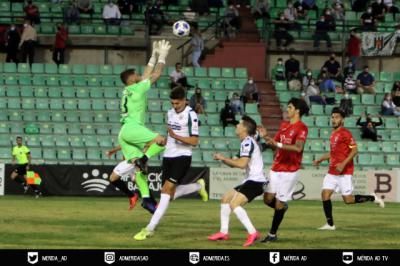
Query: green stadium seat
(68, 92)
(188, 71)
(12, 91)
(227, 72)
(87, 29)
(92, 69)
(111, 93)
(241, 73)
(28, 103)
(38, 80)
(107, 81)
(206, 143)
(373, 146)
(23, 68)
(393, 160)
(208, 156)
(230, 131)
(367, 99)
(26, 91)
(98, 104)
(56, 103)
(96, 92)
(200, 72)
(57, 116)
(322, 121)
(50, 154)
(113, 30)
(325, 133)
(217, 85)
(103, 130)
(127, 30)
(50, 69)
(54, 92)
(157, 118)
(232, 84)
(60, 129)
(216, 131)
(82, 92)
(11, 80)
(358, 110)
(106, 70)
(94, 155)
(251, 108)
(64, 154)
(10, 68)
(74, 29)
(391, 122)
(100, 29)
(362, 146)
(64, 69)
(80, 81)
(76, 141)
(62, 141)
(105, 141)
(117, 69)
(32, 141)
(70, 104)
(85, 117)
(84, 104)
(389, 146)
(214, 72)
(204, 131)
(78, 69)
(100, 117)
(386, 76)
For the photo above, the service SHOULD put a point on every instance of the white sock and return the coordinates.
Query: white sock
(244, 219)
(160, 211)
(225, 212)
(182, 190)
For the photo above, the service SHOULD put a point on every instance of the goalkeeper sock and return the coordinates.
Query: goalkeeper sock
(154, 149)
(276, 221)
(327, 204)
(363, 198)
(141, 182)
(121, 185)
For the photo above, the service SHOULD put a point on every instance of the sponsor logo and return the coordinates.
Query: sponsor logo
(95, 182)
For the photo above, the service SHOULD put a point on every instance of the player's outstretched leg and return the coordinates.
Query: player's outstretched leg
(202, 192)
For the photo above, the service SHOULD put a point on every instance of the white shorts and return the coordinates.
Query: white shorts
(339, 183)
(282, 184)
(125, 169)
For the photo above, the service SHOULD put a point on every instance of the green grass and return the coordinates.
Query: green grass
(100, 223)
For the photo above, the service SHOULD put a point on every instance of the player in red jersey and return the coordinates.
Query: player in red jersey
(341, 168)
(288, 144)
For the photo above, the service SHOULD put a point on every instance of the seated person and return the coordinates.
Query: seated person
(350, 85)
(388, 106)
(227, 115)
(236, 104)
(368, 128)
(365, 82)
(278, 72)
(178, 77)
(197, 102)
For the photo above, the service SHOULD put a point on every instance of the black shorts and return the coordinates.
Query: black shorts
(251, 189)
(21, 169)
(175, 169)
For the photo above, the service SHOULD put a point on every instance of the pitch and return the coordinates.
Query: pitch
(100, 223)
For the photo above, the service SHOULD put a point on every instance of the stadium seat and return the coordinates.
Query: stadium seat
(200, 72)
(57, 116)
(10, 68)
(214, 72)
(24, 68)
(98, 104)
(54, 92)
(392, 159)
(50, 69)
(241, 73)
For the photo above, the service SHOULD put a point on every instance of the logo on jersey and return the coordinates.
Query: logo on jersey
(95, 182)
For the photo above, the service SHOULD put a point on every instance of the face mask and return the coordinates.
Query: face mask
(322, 20)
(280, 62)
(369, 10)
(25, 25)
(230, 7)
(282, 18)
(290, 6)
(378, 1)
(12, 28)
(328, 12)
(309, 74)
(303, 94)
(346, 95)
(251, 81)
(332, 58)
(312, 83)
(350, 64)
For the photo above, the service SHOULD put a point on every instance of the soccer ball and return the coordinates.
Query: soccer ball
(181, 28)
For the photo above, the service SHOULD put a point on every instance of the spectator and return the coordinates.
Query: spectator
(72, 14)
(127, 7)
(349, 69)
(28, 42)
(197, 44)
(189, 15)
(354, 47)
(338, 11)
(333, 67)
(227, 115)
(365, 82)
(388, 106)
(249, 92)
(32, 13)
(378, 10)
(350, 85)
(307, 78)
(321, 33)
(261, 9)
(197, 102)
(292, 68)
(282, 26)
(215, 3)
(290, 14)
(200, 6)
(330, 19)
(368, 21)
(232, 21)
(60, 44)
(12, 40)
(178, 77)
(359, 5)
(396, 93)
(346, 104)
(111, 14)
(390, 8)
(85, 6)
(154, 17)
(326, 84)
(368, 128)
(278, 72)
(310, 4)
(236, 104)
(301, 13)
(313, 94)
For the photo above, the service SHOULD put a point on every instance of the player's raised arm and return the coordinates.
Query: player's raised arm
(163, 50)
(152, 61)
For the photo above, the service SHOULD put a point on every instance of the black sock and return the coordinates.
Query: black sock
(328, 211)
(20, 180)
(123, 187)
(35, 188)
(363, 198)
(272, 204)
(276, 221)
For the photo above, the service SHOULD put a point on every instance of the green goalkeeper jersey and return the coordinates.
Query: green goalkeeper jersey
(134, 102)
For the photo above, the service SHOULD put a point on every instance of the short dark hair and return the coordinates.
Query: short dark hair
(177, 93)
(177, 64)
(125, 75)
(299, 104)
(338, 110)
(250, 125)
(18, 137)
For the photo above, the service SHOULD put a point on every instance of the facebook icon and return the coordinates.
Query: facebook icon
(274, 257)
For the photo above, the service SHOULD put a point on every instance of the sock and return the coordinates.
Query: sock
(225, 212)
(161, 209)
(272, 204)
(244, 219)
(141, 182)
(182, 190)
(276, 221)
(327, 204)
(154, 149)
(35, 188)
(363, 198)
(123, 187)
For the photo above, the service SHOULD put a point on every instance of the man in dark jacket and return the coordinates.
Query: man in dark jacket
(368, 128)
(12, 40)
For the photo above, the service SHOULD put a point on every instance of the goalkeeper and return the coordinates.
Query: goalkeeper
(138, 143)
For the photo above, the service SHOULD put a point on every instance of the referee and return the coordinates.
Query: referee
(22, 155)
